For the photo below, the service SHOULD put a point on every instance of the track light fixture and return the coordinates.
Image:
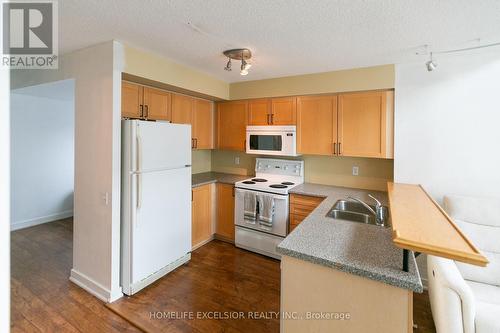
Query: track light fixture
(239, 54)
(431, 65)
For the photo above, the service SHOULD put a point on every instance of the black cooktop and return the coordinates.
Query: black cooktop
(278, 186)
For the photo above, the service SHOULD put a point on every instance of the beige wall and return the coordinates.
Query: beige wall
(369, 78)
(154, 67)
(373, 173)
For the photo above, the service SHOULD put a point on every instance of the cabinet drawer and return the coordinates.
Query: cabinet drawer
(305, 200)
(296, 219)
(301, 209)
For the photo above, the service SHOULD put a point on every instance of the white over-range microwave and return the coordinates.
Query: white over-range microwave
(272, 140)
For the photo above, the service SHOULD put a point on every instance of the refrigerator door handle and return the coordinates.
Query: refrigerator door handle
(139, 191)
(139, 167)
(139, 153)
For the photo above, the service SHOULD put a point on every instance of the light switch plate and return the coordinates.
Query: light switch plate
(355, 170)
(237, 160)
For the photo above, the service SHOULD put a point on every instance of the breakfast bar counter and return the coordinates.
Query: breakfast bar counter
(351, 274)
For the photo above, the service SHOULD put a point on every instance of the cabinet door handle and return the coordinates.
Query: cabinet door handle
(272, 118)
(141, 111)
(146, 109)
(195, 143)
(340, 150)
(335, 148)
(192, 143)
(268, 119)
(233, 191)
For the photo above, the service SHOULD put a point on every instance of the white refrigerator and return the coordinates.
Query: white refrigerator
(156, 201)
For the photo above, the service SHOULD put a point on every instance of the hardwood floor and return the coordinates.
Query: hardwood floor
(42, 297)
(219, 280)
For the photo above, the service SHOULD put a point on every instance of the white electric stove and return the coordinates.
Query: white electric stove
(273, 178)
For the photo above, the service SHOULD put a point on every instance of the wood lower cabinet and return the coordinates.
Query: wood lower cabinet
(203, 124)
(365, 122)
(201, 208)
(156, 104)
(132, 95)
(231, 125)
(300, 207)
(225, 212)
(316, 125)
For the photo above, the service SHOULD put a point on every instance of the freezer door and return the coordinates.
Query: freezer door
(159, 146)
(160, 227)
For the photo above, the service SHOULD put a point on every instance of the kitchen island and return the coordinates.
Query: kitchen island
(346, 274)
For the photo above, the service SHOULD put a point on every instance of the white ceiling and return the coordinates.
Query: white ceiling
(287, 37)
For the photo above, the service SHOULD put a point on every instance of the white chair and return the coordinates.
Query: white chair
(466, 298)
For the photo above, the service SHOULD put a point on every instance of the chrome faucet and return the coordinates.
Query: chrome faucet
(380, 211)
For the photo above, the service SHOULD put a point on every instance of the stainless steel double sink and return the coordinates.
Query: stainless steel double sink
(353, 211)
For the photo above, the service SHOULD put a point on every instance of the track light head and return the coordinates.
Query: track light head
(245, 66)
(228, 65)
(431, 65)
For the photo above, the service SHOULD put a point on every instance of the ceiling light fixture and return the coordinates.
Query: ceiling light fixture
(431, 65)
(239, 54)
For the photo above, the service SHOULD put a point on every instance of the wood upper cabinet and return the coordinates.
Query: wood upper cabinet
(131, 100)
(259, 112)
(231, 125)
(365, 122)
(203, 124)
(316, 125)
(182, 109)
(272, 111)
(225, 211)
(284, 111)
(156, 104)
(201, 207)
(145, 102)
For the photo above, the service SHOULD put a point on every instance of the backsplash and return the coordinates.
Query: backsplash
(373, 173)
(201, 161)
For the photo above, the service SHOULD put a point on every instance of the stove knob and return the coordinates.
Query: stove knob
(285, 167)
(268, 166)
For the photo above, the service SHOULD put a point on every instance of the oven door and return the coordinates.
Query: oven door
(271, 140)
(280, 219)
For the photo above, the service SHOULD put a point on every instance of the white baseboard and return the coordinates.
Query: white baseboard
(95, 288)
(39, 220)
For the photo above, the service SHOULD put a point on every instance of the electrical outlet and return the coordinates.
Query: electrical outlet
(237, 160)
(355, 170)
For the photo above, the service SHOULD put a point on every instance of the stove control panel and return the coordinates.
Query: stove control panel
(279, 167)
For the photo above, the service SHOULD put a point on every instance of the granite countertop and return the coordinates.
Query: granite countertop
(351, 247)
(199, 179)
